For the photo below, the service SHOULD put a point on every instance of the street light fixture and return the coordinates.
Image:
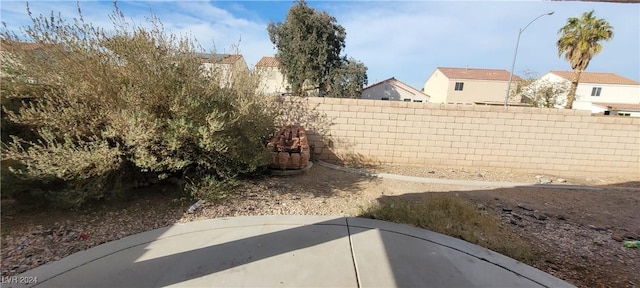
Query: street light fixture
(513, 65)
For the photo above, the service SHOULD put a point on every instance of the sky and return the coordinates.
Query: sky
(407, 40)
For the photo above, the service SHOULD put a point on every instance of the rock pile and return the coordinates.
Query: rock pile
(290, 148)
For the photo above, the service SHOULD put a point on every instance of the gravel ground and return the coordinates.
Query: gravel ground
(579, 241)
(501, 176)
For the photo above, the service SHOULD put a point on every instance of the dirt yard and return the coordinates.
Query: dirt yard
(577, 234)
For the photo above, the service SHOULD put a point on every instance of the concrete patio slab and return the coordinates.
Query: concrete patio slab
(288, 251)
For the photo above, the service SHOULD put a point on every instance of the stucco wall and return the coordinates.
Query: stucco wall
(477, 91)
(272, 82)
(436, 87)
(519, 139)
(442, 90)
(384, 90)
(392, 92)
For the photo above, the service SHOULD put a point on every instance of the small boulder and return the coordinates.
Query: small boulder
(617, 238)
(597, 228)
(514, 221)
(540, 216)
(544, 181)
(526, 206)
(561, 180)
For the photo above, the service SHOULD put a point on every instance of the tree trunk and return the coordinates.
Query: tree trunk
(574, 86)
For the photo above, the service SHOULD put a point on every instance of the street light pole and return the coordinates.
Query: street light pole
(513, 64)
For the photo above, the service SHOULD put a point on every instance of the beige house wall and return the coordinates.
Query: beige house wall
(272, 82)
(436, 87)
(477, 91)
(442, 90)
(393, 91)
(226, 72)
(518, 139)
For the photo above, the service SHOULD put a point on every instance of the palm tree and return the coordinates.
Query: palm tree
(579, 41)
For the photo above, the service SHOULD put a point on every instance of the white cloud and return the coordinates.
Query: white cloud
(401, 39)
(409, 40)
(213, 25)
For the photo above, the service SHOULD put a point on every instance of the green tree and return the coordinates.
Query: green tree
(348, 80)
(579, 41)
(309, 45)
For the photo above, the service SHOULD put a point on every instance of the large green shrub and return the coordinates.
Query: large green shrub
(126, 100)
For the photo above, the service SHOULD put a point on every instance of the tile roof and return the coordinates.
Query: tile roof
(476, 74)
(268, 61)
(219, 58)
(596, 77)
(619, 106)
(231, 59)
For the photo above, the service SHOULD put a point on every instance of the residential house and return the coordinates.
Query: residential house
(272, 81)
(618, 109)
(394, 90)
(468, 85)
(224, 66)
(603, 93)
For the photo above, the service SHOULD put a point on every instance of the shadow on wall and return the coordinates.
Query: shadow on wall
(298, 111)
(392, 93)
(347, 155)
(382, 91)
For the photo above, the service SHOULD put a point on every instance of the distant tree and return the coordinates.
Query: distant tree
(515, 94)
(545, 93)
(348, 80)
(309, 44)
(579, 41)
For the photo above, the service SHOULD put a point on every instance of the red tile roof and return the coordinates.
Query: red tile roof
(476, 74)
(619, 106)
(219, 58)
(268, 61)
(596, 77)
(230, 59)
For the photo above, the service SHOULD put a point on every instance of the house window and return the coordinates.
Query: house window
(385, 98)
(459, 86)
(417, 100)
(406, 100)
(596, 91)
(624, 114)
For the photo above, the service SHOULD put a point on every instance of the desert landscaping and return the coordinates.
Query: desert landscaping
(573, 234)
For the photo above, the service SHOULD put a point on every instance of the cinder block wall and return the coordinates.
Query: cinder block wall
(518, 139)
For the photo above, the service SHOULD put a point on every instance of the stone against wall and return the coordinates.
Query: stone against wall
(519, 139)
